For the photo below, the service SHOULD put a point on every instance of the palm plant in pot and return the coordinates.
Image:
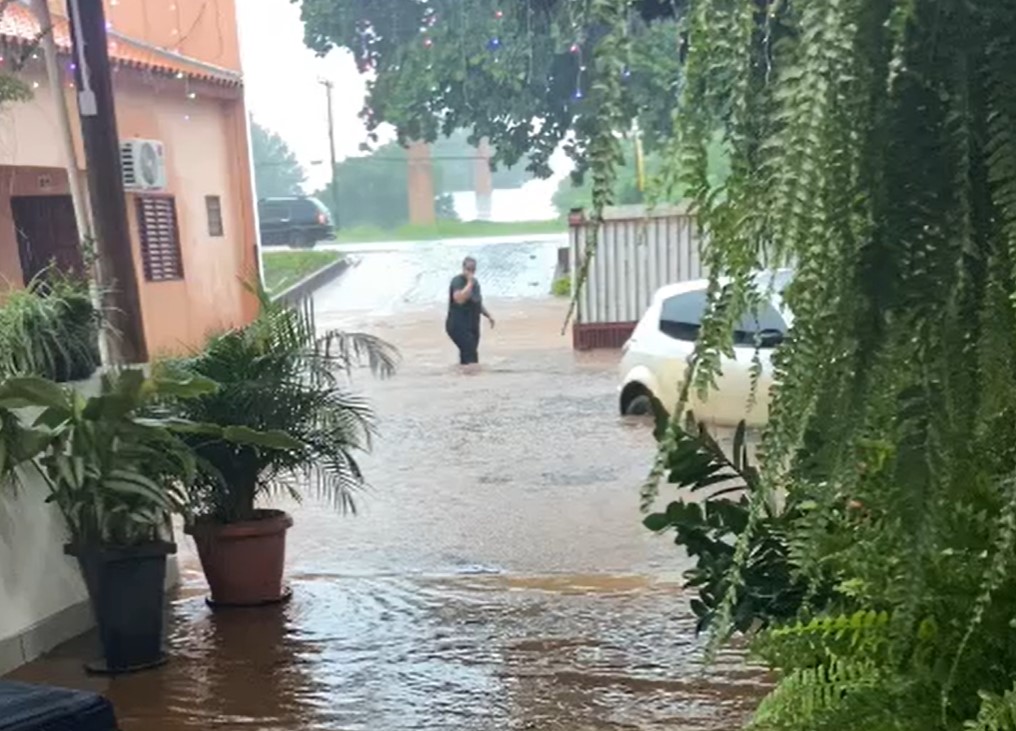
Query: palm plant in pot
(116, 476)
(275, 374)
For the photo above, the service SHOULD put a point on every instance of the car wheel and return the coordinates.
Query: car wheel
(636, 401)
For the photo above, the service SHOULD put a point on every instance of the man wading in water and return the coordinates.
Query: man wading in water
(465, 305)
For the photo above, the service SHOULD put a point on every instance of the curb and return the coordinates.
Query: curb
(306, 286)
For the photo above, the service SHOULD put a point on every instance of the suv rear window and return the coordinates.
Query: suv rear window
(274, 211)
(681, 319)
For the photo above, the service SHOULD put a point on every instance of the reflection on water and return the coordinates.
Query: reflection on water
(497, 576)
(459, 652)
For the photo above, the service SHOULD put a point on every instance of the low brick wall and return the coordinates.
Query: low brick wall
(601, 335)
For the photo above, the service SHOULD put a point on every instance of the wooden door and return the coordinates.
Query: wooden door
(47, 234)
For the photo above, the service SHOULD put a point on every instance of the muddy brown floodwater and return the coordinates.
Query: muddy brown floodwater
(497, 576)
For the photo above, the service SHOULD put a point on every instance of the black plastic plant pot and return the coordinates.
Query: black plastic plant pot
(127, 588)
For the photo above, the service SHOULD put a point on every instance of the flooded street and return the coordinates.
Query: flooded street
(496, 576)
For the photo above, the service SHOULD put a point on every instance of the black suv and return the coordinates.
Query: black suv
(298, 221)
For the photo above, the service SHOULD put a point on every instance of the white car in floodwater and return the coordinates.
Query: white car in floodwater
(655, 359)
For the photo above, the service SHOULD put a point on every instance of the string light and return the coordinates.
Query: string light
(192, 95)
(494, 42)
(576, 50)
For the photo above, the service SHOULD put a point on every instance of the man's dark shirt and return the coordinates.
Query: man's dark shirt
(467, 314)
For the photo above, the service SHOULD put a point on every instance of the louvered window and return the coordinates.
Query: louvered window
(213, 205)
(160, 238)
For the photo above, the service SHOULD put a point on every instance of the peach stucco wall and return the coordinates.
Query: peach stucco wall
(201, 29)
(206, 154)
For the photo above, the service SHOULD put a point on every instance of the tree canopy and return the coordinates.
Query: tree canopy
(519, 72)
(277, 172)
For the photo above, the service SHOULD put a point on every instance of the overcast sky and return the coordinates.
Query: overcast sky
(283, 93)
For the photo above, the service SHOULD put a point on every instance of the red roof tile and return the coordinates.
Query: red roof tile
(19, 25)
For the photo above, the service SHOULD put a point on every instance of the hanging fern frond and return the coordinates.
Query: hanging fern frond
(998, 713)
(873, 147)
(835, 694)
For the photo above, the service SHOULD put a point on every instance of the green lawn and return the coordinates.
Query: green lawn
(285, 268)
(449, 230)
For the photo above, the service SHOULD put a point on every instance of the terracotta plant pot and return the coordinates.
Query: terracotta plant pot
(243, 562)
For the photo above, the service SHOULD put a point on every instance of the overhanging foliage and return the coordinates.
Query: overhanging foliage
(873, 145)
(521, 72)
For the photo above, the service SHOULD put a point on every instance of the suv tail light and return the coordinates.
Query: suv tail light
(322, 218)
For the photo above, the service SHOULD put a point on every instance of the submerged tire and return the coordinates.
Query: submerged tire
(636, 400)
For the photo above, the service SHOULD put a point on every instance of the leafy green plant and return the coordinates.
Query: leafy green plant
(49, 329)
(708, 523)
(114, 476)
(998, 712)
(278, 374)
(871, 147)
(562, 286)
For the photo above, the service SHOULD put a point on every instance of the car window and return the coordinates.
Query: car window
(777, 280)
(681, 319)
(681, 315)
(319, 207)
(274, 211)
(765, 321)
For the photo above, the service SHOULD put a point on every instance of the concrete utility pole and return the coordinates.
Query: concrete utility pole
(105, 183)
(331, 144)
(484, 179)
(82, 215)
(421, 185)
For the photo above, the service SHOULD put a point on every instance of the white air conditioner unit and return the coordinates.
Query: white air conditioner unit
(143, 165)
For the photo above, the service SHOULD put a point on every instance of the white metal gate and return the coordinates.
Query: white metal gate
(638, 251)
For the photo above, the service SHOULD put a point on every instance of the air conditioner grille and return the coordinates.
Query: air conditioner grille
(127, 165)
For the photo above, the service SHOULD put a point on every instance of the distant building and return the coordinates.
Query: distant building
(177, 84)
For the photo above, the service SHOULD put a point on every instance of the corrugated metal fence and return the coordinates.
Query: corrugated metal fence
(638, 251)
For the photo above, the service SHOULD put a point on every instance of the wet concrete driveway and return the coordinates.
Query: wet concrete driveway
(497, 576)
